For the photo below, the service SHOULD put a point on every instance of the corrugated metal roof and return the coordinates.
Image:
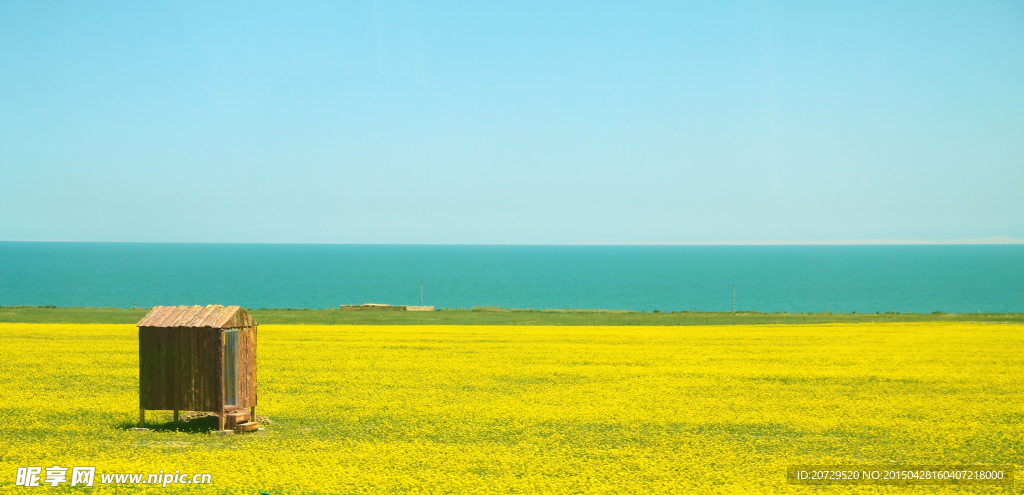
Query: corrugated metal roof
(211, 316)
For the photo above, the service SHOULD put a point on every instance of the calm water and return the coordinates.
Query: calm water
(667, 278)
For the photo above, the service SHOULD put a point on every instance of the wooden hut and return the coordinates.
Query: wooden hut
(195, 358)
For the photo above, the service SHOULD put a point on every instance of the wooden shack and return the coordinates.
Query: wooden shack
(196, 358)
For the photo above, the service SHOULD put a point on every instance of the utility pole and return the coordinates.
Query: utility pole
(733, 298)
(421, 293)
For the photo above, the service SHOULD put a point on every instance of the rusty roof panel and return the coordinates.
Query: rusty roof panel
(162, 316)
(215, 316)
(182, 319)
(227, 318)
(201, 315)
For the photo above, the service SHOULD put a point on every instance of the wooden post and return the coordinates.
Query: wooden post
(252, 414)
(221, 420)
(175, 415)
(142, 417)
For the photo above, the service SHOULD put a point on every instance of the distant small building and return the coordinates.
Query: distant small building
(196, 358)
(384, 307)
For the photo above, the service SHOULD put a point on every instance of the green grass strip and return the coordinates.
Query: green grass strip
(498, 316)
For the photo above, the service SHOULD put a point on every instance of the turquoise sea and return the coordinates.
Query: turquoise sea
(864, 279)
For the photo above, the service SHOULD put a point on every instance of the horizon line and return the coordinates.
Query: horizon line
(994, 240)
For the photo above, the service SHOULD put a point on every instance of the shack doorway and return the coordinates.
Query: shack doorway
(231, 367)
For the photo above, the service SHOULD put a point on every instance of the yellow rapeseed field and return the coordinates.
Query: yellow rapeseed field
(475, 409)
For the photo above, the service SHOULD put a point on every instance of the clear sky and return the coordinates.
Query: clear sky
(523, 122)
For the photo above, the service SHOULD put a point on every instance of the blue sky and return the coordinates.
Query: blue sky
(478, 122)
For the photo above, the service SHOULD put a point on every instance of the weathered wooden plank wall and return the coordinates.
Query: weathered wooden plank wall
(243, 367)
(144, 372)
(218, 371)
(154, 379)
(205, 388)
(247, 368)
(187, 383)
(251, 363)
(208, 370)
(172, 373)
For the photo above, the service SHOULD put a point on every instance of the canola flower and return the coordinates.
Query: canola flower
(476, 409)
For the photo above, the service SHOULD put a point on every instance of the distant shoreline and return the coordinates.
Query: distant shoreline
(502, 316)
